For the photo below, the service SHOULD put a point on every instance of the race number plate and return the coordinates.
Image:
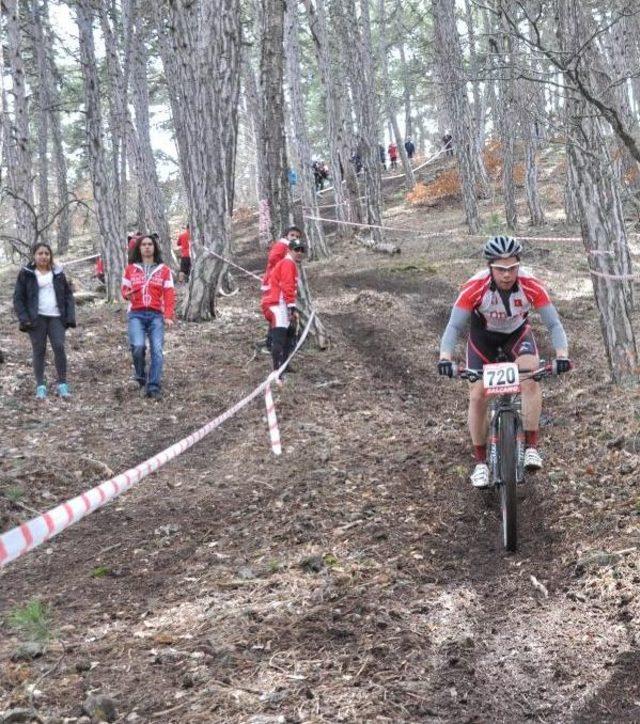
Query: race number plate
(501, 379)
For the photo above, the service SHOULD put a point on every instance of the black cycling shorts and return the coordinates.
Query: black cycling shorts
(185, 265)
(483, 345)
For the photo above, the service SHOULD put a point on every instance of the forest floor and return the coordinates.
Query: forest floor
(358, 577)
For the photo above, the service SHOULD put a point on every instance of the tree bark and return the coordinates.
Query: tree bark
(273, 122)
(19, 169)
(104, 192)
(601, 216)
(149, 187)
(454, 93)
(43, 112)
(63, 223)
(339, 156)
(409, 180)
(318, 248)
(200, 49)
(507, 116)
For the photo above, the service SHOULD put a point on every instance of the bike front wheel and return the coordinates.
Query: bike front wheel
(507, 466)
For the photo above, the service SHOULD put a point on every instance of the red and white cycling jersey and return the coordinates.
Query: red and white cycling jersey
(480, 296)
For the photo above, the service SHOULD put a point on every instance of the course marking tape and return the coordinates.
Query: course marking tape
(78, 261)
(32, 533)
(237, 266)
(272, 421)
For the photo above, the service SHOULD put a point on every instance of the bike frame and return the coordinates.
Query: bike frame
(499, 405)
(506, 409)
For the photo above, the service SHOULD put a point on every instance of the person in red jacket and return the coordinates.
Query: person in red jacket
(183, 246)
(131, 243)
(393, 155)
(147, 284)
(278, 251)
(98, 271)
(279, 303)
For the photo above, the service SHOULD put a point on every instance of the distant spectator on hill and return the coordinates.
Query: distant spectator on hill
(383, 156)
(410, 148)
(447, 143)
(292, 177)
(393, 155)
(98, 270)
(183, 247)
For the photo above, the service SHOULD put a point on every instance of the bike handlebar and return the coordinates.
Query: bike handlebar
(546, 369)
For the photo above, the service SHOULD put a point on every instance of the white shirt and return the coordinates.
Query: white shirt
(47, 304)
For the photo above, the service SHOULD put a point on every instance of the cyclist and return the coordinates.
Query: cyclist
(497, 302)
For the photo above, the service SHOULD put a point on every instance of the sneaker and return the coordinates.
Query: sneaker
(480, 476)
(154, 394)
(63, 390)
(41, 392)
(532, 459)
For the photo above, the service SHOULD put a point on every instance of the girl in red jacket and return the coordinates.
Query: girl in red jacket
(147, 284)
(279, 302)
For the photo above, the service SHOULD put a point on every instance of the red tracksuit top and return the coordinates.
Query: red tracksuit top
(277, 253)
(184, 242)
(283, 283)
(155, 293)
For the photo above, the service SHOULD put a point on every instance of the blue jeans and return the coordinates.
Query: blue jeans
(143, 324)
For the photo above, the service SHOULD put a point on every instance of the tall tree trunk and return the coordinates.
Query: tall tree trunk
(507, 117)
(44, 105)
(149, 186)
(474, 69)
(117, 103)
(318, 248)
(255, 113)
(18, 130)
(453, 90)
(273, 122)
(406, 90)
(200, 49)
(104, 193)
(354, 29)
(63, 227)
(601, 216)
(409, 180)
(334, 111)
(272, 77)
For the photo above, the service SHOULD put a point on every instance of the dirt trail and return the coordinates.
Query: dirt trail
(357, 578)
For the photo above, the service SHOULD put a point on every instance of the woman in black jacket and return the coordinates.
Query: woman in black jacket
(43, 301)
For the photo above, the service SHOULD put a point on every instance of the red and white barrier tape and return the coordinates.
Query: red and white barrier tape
(27, 536)
(621, 277)
(272, 421)
(71, 262)
(233, 264)
(417, 233)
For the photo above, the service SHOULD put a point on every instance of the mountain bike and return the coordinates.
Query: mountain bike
(506, 444)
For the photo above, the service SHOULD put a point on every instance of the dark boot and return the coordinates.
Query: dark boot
(278, 346)
(292, 340)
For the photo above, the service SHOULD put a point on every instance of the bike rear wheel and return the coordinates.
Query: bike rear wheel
(507, 456)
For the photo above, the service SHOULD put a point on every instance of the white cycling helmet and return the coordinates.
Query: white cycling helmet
(501, 247)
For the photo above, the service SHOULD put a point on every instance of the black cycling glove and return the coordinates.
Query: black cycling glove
(562, 365)
(445, 368)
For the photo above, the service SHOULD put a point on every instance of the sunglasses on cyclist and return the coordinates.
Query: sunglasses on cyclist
(505, 269)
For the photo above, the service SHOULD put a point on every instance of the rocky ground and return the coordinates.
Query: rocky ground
(359, 577)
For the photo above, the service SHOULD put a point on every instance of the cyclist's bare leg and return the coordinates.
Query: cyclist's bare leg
(531, 393)
(478, 423)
